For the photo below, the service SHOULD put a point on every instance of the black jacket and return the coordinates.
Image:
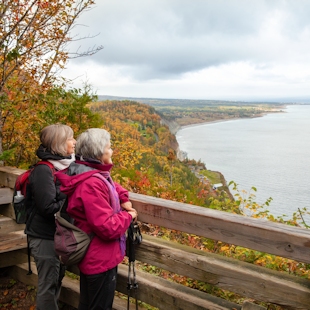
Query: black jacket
(46, 198)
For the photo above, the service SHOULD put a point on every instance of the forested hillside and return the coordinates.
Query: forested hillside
(145, 154)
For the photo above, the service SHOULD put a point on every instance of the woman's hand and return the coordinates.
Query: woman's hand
(133, 214)
(127, 206)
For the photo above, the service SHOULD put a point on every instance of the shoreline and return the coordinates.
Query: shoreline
(229, 119)
(281, 109)
(212, 122)
(182, 155)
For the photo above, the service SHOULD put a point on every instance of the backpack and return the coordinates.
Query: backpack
(71, 242)
(22, 199)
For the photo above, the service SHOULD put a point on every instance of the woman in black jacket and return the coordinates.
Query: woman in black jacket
(57, 147)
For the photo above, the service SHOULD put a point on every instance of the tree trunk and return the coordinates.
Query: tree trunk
(1, 126)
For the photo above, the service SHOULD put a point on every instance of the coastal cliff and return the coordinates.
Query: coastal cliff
(182, 156)
(174, 127)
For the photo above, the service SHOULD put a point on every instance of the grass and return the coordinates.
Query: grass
(213, 176)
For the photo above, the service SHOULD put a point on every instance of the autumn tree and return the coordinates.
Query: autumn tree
(69, 107)
(171, 159)
(57, 105)
(34, 37)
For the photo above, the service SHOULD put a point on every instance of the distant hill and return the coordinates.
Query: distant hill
(201, 103)
(184, 102)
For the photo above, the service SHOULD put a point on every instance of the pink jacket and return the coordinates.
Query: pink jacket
(89, 204)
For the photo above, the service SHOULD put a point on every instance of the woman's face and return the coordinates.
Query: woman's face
(107, 156)
(71, 145)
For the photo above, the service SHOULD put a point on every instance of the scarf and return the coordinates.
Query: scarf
(114, 198)
(62, 164)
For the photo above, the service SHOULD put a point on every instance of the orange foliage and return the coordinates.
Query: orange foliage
(33, 39)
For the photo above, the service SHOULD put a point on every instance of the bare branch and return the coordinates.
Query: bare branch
(89, 52)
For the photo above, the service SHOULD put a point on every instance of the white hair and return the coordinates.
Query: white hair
(92, 143)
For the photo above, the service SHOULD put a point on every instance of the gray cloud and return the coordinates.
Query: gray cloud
(164, 39)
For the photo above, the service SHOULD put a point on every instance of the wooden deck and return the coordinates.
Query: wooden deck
(250, 281)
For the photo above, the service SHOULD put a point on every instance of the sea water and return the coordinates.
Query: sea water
(271, 153)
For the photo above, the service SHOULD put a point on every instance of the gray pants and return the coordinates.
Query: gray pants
(50, 273)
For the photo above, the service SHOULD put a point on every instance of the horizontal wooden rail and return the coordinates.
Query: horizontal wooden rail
(257, 234)
(165, 294)
(246, 279)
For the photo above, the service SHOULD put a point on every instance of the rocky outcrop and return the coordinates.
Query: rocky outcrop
(173, 125)
(181, 155)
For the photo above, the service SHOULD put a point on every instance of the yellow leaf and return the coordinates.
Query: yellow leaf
(225, 248)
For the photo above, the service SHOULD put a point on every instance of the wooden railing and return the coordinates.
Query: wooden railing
(248, 280)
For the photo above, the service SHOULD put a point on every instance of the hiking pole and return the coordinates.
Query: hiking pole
(132, 285)
(133, 237)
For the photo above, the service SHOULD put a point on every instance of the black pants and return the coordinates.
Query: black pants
(97, 291)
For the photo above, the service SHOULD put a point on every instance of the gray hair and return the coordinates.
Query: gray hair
(54, 138)
(92, 143)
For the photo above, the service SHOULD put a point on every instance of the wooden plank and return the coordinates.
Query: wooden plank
(167, 295)
(6, 195)
(13, 241)
(8, 175)
(12, 246)
(156, 292)
(70, 291)
(250, 306)
(230, 274)
(7, 210)
(261, 235)
(14, 235)
(120, 303)
(13, 258)
(8, 225)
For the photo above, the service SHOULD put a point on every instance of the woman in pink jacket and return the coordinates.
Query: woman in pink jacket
(101, 209)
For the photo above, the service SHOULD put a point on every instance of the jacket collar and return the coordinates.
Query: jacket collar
(93, 163)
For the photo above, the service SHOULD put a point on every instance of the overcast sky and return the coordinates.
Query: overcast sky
(196, 49)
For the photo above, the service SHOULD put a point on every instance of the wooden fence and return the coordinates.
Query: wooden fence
(250, 281)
